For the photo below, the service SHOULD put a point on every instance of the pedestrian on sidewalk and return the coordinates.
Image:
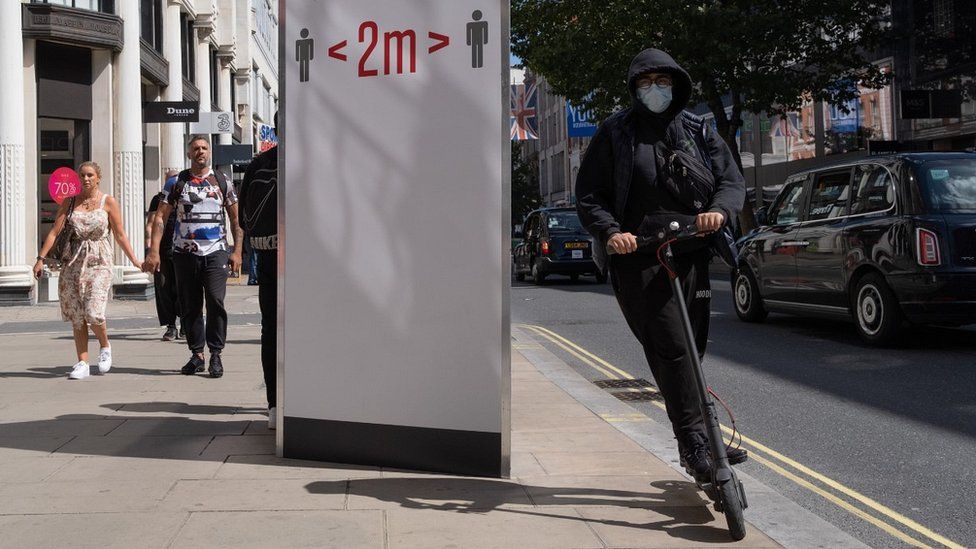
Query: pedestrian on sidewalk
(628, 186)
(259, 217)
(164, 280)
(201, 198)
(86, 273)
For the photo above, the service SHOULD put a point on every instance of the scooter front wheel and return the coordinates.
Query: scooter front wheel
(733, 502)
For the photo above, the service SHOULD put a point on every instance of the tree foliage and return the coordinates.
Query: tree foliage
(751, 55)
(525, 186)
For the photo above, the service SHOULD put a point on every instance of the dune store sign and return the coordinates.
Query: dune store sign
(171, 111)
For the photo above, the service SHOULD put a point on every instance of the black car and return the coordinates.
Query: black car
(883, 240)
(554, 243)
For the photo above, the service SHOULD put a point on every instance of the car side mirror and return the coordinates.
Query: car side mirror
(762, 217)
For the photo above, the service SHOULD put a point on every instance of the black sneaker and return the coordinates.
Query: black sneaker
(170, 334)
(696, 462)
(194, 366)
(216, 367)
(736, 455)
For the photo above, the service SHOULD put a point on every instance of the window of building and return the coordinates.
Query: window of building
(544, 179)
(106, 6)
(188, 39)
(789, 137)
(214, 79)
(151, 23)
(849, 127)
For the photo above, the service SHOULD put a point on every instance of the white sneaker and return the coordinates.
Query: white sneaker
(79, 371)
(272, 418)
(105, 360)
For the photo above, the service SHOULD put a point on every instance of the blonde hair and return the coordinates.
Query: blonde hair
(92, 165)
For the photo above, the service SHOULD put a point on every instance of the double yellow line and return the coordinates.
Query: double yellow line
(816, 482)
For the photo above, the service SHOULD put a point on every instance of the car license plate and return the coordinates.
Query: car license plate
(577, 245)
(577, 254)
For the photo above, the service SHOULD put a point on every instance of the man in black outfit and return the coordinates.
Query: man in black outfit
(259, 218)
(627, 187)
(164, 280)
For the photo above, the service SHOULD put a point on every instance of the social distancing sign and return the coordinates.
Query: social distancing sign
(394, 348)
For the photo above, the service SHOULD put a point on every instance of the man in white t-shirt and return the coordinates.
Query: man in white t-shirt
(201, 256)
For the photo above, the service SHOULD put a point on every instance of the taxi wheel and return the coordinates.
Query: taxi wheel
(745, 294)
(876, 313)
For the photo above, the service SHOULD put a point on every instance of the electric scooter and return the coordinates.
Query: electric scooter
(725, 489)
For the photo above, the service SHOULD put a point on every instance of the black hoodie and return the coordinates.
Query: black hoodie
(617, 186)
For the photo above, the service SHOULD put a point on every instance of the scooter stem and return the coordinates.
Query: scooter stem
(721, 469)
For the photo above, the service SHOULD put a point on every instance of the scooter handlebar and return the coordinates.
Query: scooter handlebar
(674, 231)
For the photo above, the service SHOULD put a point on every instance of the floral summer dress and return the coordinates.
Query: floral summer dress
(86, 277)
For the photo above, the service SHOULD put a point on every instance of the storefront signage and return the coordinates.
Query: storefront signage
(579, 123)
(171, 111)
(267, 137)
(232, 155)
(63, 183)
(916, 104)
(213, 122)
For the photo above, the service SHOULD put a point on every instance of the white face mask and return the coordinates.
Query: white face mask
(656, 98)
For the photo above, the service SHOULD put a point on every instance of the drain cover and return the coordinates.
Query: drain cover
(637, 396)
(639, 383)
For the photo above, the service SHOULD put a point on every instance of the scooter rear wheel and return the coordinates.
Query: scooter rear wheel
(732, 505)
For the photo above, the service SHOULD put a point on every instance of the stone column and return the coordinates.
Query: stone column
(128, 173)
(243, 82)
(204, 30)
(174, 148)
(224, 100)
(16, 280)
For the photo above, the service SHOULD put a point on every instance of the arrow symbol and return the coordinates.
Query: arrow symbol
(334, 51)
(442, 41)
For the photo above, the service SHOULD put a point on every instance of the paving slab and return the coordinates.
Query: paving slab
(283, 529)
(537, 527)
(82, 496)
(91, 530)
(251, 495)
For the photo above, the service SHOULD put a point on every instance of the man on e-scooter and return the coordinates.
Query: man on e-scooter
(647, 166)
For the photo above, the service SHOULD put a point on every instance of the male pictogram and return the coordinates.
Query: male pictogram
(477, 38)
(304, 52)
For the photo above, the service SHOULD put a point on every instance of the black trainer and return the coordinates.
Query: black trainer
(216, 366)
(696, 462)
(170, 334)
(194, 366)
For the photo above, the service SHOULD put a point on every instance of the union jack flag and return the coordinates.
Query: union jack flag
(525, 99)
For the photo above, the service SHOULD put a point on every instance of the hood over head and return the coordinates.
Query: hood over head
(654, 60)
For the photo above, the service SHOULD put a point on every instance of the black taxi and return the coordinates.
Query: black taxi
(555, 243)
(882, 240)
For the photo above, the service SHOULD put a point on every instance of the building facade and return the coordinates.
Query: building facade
(77, 74)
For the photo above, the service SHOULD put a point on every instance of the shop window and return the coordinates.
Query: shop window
(788, 137)
(850, 126)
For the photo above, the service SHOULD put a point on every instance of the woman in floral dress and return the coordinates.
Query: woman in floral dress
(86, 275)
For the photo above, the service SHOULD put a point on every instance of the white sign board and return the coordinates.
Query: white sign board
(395, 346)
(213, 122)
